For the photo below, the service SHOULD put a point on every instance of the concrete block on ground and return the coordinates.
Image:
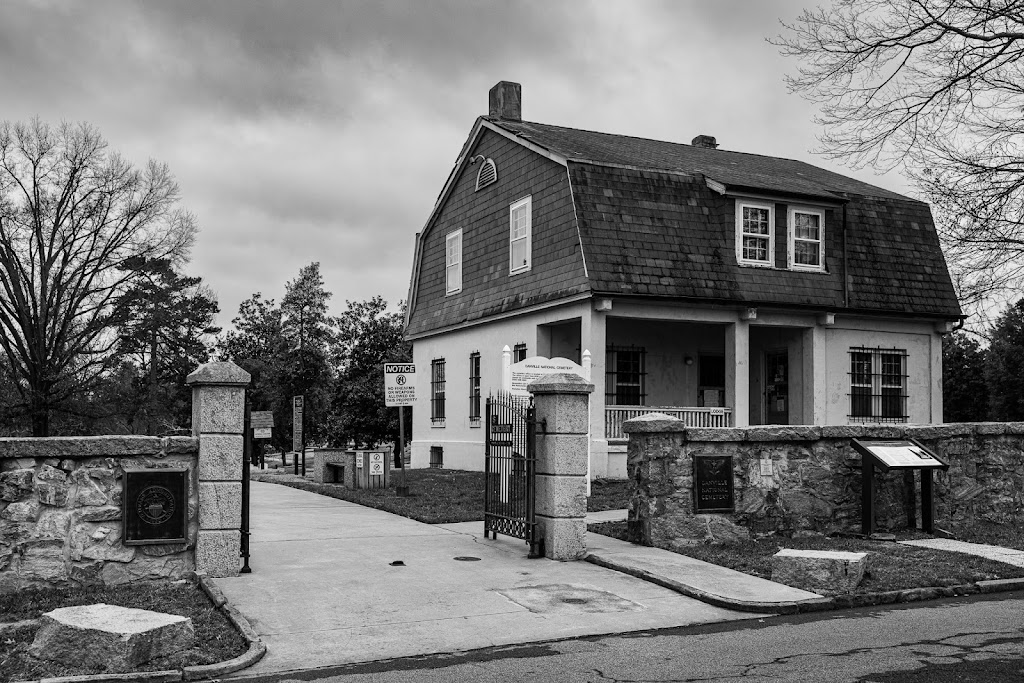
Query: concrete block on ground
(565, 539)
(217, 553)
(819, 570)
(322, 474)
(110, 638)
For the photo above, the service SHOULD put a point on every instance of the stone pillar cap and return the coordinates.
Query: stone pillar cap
(653, 423)
(560, 383)
(222, 372)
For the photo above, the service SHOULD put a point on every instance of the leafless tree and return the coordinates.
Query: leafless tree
(72, 216)
(937, 87)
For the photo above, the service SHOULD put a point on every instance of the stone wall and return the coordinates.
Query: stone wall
(60, 510)
(815, 485)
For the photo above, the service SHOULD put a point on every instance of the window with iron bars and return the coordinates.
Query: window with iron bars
(474, 387)
(625, 377)
(519, 352)
(437, 391)
(878, 385)
(437, 457)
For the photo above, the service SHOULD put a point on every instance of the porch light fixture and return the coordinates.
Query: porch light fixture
(827, 319)
(688, 360)
(603, 305)
(748, 314)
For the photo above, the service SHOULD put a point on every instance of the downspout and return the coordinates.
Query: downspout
(846, 265)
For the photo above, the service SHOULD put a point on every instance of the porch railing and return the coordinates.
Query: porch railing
(614, 416)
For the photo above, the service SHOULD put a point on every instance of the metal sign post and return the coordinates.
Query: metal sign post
(400, 391)
(886, 455)
(298, 440)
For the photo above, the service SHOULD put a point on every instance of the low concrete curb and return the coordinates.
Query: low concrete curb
(818, 605)
(189, 673)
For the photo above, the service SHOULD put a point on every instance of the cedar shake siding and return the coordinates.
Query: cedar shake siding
(488, 289)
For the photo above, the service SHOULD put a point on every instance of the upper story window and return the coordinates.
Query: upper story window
(520, 229)
(453, 262)
(487, 175)
(806, 238)
(755, 234)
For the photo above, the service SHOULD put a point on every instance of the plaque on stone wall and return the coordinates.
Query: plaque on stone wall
(155, 506)
(713, 484)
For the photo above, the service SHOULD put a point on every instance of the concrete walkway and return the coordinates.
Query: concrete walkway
(991, 552)
(326, 588)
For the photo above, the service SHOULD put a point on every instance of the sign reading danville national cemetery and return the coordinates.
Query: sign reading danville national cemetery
(526, 371)
(399, 384)
(297, 423)
(713, 483)
(155, 506)
(262, 424)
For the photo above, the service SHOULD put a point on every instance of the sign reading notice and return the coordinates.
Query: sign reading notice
(526, 371)
(297, 423)
(399, 384)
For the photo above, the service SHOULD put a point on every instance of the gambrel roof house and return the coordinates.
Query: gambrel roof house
(733, 287)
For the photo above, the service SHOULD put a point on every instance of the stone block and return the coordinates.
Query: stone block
(563, 413)
(16, 483)
(783, 433)
(561, 496)
(819, 570)
(220, 505)
(653, 423)
(564, 539)
(104, 513)
(217, 410)
(22, 511)
(217, 553)
(220, 457)
(326, 475)
(44, 561)
(715, 434)
(562, 454)
(110, 638)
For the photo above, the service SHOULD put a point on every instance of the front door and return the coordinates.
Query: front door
(776, 388)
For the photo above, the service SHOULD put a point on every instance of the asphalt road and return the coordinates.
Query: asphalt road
(960, 639)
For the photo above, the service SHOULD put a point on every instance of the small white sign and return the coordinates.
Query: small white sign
(766, 467)
(377, 464)
(359, 461)
(399, 384)
(262, 433)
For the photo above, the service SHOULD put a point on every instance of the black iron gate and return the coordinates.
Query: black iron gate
(247, 451)
(510, 470)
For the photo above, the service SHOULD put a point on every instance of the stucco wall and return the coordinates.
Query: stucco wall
(815, 485)
(60, 510)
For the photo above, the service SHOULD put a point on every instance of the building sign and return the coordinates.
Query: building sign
(297, 423)
(155, 506)
(713, 484)
(526, 371)
(262, 424)
(399, 384)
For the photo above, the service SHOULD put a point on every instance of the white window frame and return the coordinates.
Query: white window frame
(793, 239)
(740, 204)
(528, 236)
(453, 266)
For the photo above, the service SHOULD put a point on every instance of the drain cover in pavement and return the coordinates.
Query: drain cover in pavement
(466, 558)
(567, 598)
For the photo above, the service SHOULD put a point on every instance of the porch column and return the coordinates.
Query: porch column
(815, 387)
(737, 371)
(592, 337)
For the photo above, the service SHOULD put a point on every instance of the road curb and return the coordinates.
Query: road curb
(816, 605)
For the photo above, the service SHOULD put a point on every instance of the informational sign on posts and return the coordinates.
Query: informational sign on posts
(526, 371)
(377, 464)
(262, 423)
(399, 384)
(297, 423)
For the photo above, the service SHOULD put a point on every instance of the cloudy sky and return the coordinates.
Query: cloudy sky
(322, 131)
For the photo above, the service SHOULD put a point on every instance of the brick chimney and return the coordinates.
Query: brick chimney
(505, 101)
(704, 141)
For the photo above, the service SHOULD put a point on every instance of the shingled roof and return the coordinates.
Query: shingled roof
(645, 228)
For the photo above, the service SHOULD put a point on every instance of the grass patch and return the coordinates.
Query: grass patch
(436, 496)
(216, 639)
(890, 567)
(990, 533)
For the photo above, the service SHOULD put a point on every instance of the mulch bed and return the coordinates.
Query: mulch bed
(216, 638)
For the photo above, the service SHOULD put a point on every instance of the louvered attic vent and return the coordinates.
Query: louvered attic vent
(488, 174)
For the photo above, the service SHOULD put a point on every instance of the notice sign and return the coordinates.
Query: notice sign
(377, 464)
(713, 483)
(262, 423)
(399, 384)
(526, 371)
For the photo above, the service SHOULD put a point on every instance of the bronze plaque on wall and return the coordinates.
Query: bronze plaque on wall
(155, 506)
(713, 484)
